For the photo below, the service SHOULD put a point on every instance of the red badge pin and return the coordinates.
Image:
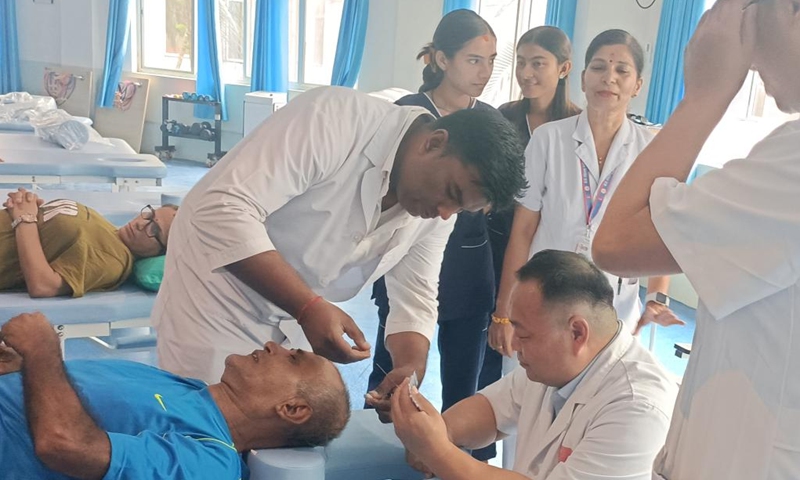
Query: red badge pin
(563, 454)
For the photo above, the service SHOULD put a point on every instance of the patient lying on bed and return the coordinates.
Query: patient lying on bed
(65, 248)
(115, 419)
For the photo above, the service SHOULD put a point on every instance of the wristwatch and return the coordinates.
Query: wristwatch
(657, 297)
(24, 218)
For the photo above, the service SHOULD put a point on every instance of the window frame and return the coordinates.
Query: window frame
(140, 68)
(301, 84)
(243, 78)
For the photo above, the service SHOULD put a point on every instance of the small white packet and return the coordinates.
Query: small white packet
(413, 381)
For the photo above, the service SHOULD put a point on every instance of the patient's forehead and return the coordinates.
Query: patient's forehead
(311, 364)
(327, 368)
(330, 373)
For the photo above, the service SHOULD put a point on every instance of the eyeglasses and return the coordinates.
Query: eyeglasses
(151, 228)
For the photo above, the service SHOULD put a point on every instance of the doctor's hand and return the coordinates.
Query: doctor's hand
(381, 398)
(30, 333)
(418, 425)
(499, 338)
(659, 314)
(324, 324)
(720, 53)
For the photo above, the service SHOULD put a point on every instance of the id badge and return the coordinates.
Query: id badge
(583, 247)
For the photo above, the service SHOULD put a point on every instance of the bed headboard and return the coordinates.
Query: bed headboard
(70, 87)
(126, 119)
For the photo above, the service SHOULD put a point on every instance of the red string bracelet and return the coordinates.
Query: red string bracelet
(306, 307)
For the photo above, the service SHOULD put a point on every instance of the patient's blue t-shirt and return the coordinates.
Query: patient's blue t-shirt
(161, 426)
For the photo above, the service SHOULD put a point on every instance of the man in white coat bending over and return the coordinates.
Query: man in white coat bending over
(330, 193)
(587, 401)
(735, 233)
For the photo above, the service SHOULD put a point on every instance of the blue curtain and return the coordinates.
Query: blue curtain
(679, 19)
(116, 44)
(208, 77)
(9, 49)
(450, 5)
(561, 14)
(350, 48)
(271, 47)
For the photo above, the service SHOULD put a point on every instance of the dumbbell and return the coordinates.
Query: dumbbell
(195, 129)
(207, 131)
(207, 135)
(169, 126)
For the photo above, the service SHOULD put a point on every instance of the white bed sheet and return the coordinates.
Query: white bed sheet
(29, 141)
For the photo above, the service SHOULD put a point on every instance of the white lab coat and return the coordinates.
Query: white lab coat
(308, 183)
(735, 232)
(612, 425)
(553, 169)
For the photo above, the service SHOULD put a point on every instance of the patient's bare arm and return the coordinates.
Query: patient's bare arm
(65, 437)
(40, 278)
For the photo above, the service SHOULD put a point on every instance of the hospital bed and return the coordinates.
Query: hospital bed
(366, 450)
(28, 159)
(96, 314)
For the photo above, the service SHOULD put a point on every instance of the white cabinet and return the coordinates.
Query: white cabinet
(258, 106)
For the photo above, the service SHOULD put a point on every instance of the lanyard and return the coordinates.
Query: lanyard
(592, 206)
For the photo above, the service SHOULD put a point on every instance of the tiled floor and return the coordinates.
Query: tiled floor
(182, 175)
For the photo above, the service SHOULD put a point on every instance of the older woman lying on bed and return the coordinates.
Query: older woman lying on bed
(65, 248)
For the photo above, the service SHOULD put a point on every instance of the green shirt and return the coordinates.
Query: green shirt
(79, 244)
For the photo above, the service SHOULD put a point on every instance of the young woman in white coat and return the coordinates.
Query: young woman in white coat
(573, 167)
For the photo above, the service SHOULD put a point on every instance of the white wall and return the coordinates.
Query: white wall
(68, 33)
(39, 30)
(377, 66)
(72, 33)
(416, 22)
(396, 32)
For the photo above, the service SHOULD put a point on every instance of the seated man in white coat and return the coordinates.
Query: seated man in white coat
(587, 401)
(330, 193)
(735, 233)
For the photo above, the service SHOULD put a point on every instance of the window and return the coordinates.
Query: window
(231, 30)
(509, 20)
(236, 23)
(313, 36)
(166, 35)
(167, 38)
